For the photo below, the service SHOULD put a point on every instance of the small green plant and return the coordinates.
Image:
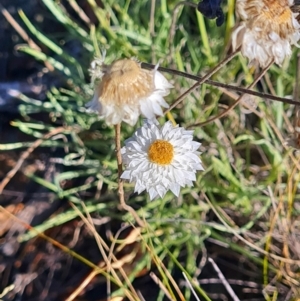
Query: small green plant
(246, 199)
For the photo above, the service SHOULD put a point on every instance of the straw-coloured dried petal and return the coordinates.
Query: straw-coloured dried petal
(126, 90)
(267, 30)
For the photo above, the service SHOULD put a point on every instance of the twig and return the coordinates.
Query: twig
(119, 160)
(165, 272)
(141, 296)
(222, 85)
(7, 290)
(26, 154)
(249, 244)
(161, 286)
(230, 108)
(120, 181)
(173, 24)
(51, 240)
(82, 285)
(82, 15)
(250, 284)
(297, 107)
(190, 286)
(203, 79)
(106, 265)
(10, 19)
(224, 281)
(152, 30)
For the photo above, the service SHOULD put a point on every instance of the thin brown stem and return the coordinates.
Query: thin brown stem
(83, 285)
(203, 79)
(120, 181)
(161, 286)
(297, 107)
(27, 153)
(256, 80)
(222, 85)
(173, 26)
(152, 29)
(81, 13)
(119, 161)
(12, 21)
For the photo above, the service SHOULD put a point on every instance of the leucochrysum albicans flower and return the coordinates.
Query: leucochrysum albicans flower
(267, 30)
(125, 91)
(161, 158)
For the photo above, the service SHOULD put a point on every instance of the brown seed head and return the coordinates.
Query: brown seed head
(125, 82)
(270, 16)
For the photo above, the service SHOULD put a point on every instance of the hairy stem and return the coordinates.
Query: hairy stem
(120, 181)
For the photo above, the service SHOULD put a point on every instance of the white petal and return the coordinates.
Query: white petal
(154, 178)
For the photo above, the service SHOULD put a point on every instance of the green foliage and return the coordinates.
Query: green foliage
(243, 154)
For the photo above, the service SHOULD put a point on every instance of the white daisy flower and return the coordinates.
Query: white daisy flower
(126, 91)
(159, 159)
(267, 30)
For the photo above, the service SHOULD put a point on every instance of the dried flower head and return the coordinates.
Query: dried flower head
(159, 159)
(267, 30)
(126, 90)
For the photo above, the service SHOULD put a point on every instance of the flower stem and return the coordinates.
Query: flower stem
(221, 85)
(119, 160)
(203, 79)
(120, 181)
(256, 80)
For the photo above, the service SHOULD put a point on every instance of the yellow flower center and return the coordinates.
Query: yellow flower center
(161, 152)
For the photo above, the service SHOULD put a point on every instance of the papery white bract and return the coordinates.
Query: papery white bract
(161, 158)
(267, 30)
(125, 91)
